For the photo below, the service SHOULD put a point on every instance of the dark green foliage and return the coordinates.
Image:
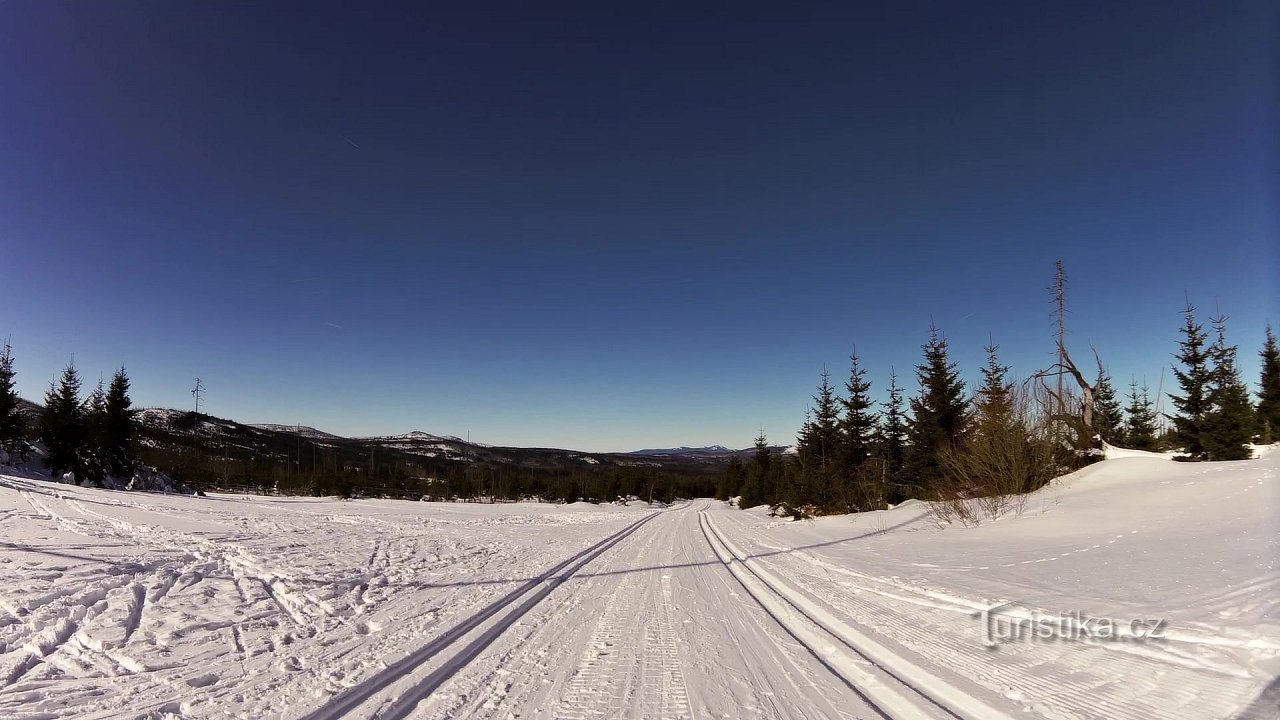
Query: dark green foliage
(117, 429)
(1193, 377)
(819, 452)
(734, 476)
(1269, 390)
(755, 489)
(1229, 423)
(994, 401)
(1140, 431)
(859, 483)
(95, 416)
(1108, 417)
(63, 425)
(13, 423)
(1002, 455)
(939, 415)
(857, 427)
(893, 443)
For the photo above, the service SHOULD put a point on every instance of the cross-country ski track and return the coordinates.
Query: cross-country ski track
(125, 605)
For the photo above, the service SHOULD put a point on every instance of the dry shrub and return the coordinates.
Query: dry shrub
(999, 462)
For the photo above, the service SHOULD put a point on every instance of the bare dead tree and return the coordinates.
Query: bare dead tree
(1081, 423)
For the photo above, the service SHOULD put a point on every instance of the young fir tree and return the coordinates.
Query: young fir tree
(1000, 455)
(95, 417)
(938, 414)
(1140, 431)
(857, 431)
(818, 449)
(1269, 391)
(857, 427)
(118, 428)
(1194, 378)
(62, 426)
(993, 404)
(1229, 424)
(731, 482)
(893, 442)
(759, 472)
(1108, 416)
(13, 423)
(826, 423)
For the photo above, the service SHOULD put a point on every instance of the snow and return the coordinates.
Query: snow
(119, 604)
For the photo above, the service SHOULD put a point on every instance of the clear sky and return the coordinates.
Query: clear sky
(609, 226)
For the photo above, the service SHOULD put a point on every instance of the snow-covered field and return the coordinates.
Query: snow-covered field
(128, 605)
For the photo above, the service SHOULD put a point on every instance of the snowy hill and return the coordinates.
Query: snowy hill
(119, 605)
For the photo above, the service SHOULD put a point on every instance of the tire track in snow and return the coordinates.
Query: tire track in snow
(870, 664)
(533, 592)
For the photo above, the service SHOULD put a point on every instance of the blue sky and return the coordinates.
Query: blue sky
(618, 227)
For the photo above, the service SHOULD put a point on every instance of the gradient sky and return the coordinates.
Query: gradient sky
(608, 226)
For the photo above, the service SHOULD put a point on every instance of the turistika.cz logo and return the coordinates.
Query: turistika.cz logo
(1007, 622)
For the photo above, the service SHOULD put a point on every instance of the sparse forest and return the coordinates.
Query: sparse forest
(981, 451)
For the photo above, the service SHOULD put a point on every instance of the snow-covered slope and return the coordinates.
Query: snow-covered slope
(128, 605)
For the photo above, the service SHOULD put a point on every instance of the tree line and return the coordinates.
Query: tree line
(90, 438)
(96, 438)
(983, 450)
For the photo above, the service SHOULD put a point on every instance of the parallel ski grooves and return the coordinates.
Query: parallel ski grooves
(358, 695)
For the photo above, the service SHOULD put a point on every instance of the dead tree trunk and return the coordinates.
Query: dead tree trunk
(1081, 424)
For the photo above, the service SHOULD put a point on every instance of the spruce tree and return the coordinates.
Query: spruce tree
(95, 418)
(822, 472)
(893, 442)
(734, 477)
(994, 401)
(1108, 416)
(62, 426)
(857, 427)
(938, 414)
(826, 423)
(1229, 423)
(857, 437)
(13, 423)
(754, 489)
(1140, 431)
(1269, 390)
(118, 428)
(1194, 378)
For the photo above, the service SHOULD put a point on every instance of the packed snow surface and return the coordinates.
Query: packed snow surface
(131, 605)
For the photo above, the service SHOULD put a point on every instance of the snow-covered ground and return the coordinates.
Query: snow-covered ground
(127, 605)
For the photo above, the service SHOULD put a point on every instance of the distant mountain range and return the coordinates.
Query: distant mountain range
(710, 452)
(169, 428)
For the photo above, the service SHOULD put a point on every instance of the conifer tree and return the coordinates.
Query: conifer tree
(734, 477)
(857, 427)
(994, 401)
(805, 438)
(1269, 390)
(62, 426)
(1108, 416)
(118, 428)
(1193, 377)
(893, 442)
(1140, 431)
(826, 423)
(13, 423)
(938, 414)
(95, 417)
(1229, 423)
(754, 489)
(857, 433)
(824, 459)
